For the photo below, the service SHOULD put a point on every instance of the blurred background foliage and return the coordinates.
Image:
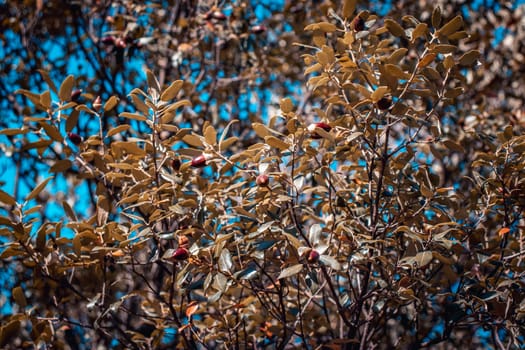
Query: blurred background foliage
(462, 198)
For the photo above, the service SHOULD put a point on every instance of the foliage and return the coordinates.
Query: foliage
(379, 208)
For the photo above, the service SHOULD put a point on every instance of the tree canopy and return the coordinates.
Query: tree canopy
(262, 174)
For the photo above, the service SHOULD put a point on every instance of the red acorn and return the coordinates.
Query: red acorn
(199, 161)
(180, 254)
(358, 24)
(75, 95)
(384, 103)
(262, 180)
(108, 40)
(258, 29)
(320, 125)
(313, 256)
(74, 138)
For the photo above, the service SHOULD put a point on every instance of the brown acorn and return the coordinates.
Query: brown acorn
(384, 103)
(75, 95)
(320, 125)
(199, 161)
(262, 180)
(76, 139)
(180, 254)
(358, 24)
(175, 164)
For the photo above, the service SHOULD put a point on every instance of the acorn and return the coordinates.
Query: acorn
(321, 125)
(262, 180)
(175, 164)
(76, 139)
(75, 95)
(258, 29)
(184, 242)
(180, 254)
(97, 104)
(358, 24)
(108, 40)
(384, 103)
(313, 256)
(199, 161)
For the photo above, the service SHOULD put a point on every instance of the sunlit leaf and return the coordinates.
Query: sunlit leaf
(277, 143)
(290, 271)
(422, 259)
(172, 91)
(286, 105)
(322, 26)
(111, 103)
(330, 261)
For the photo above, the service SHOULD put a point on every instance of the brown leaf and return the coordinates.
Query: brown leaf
(322, 26)
(7, 198)
(426, 60)
(436, 17)
(72, 120)
(286, 105)
(290, 271)
(210, 135)
(420, 30)
(172, 91)
(111, 103)
(277, 143)
(18, 295)
(469, 57)
(65, 88)
(36, 191)
(48, 80)
(394, 28)
(349, 8)
(451, 27)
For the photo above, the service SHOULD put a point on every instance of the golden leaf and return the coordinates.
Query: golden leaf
(277, 143)
(172, 91)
